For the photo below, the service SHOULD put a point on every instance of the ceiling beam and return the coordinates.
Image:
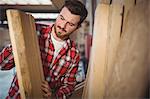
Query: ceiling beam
(28, 8)
(31, 8)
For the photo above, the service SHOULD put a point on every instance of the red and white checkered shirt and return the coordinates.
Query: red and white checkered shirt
(61, 75)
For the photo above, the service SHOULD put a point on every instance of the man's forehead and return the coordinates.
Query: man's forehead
(65, 10)
(67, 14)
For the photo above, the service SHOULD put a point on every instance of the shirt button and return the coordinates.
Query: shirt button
(55, 73)
(68, 58)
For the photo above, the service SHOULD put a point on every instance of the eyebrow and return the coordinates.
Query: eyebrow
(67, 21)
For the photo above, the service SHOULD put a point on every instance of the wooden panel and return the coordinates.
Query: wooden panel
(129, 76)
(105, 1)
(119, 63)
(113, 19)
(114, 32)
(95, 82)
(128, 4)
(26, 53)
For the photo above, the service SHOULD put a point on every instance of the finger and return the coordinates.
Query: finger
(47, 96)
(45, 90)
(45, 82)
(45, 86)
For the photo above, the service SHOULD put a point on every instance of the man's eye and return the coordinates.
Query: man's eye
(62, 18)
(71, 24)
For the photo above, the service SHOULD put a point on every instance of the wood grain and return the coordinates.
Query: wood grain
(26, 53)
(118, 67)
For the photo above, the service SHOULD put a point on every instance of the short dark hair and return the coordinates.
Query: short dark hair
(78, 8)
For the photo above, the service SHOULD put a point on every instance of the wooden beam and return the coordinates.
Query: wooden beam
(31, 8)
(94, 88)
(26, 54)
(28, 8)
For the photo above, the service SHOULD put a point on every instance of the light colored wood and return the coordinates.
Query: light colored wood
(149, 42)
(128, 4)
(119, 64)
(105, 1)
(129, 76)
(112, 37)
(95, 81)
(26, 53)
(114, 33)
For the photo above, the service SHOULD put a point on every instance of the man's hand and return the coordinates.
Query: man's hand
(46, 90)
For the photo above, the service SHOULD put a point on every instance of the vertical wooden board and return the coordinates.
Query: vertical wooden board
(95, 84)
(105, 1)
(114, 31)
(26, 53)
(128, 4)
(113, 37)
(129, 78)
(149, 43)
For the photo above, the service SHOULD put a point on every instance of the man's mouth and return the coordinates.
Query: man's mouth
(59, 33)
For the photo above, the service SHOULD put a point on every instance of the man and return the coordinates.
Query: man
(59, 55)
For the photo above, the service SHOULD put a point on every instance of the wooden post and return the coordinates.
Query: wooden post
(26, 54)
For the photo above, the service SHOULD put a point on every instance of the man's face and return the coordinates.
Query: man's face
(66, 23)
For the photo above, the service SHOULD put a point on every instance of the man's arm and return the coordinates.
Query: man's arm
(69, 81)
(6, 58)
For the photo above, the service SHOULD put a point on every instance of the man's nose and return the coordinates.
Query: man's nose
(64, 24)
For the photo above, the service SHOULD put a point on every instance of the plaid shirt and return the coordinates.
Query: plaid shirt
(59, 72)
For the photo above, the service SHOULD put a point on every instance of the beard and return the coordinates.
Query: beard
(63, 34)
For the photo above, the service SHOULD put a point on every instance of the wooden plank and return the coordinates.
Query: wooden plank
(119, 64)
(105, 1)
(26, 53)
(129, 75)
(114, 30)
(95, 85)
(112, 38)
(128, 4)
